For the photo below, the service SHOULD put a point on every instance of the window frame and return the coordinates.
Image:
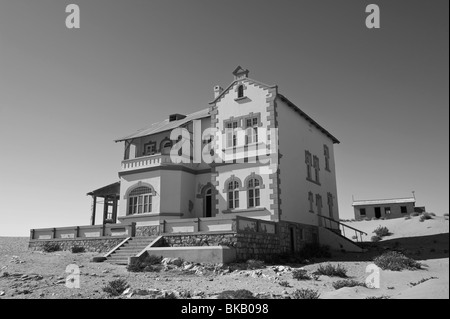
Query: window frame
(253, 192)
(140, 203)
(233, 194)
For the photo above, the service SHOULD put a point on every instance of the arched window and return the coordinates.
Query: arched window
(233, 194)
(140, 200)
(165, 147)
(253, 188)
(240, 91)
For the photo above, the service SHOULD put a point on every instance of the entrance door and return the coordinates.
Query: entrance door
(377, 212)
(208, 203)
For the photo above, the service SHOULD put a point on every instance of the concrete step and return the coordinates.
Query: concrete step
(124, 254)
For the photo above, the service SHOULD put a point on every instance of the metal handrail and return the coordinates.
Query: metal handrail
(357, 231)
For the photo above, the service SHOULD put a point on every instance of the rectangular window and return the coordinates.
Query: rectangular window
(387, 210)
(326, 153)
(231, 133)
(403, 209)
(150, 148)
(308, 162)
(251, 130)
(362, 211)
(316, 169)
(311, 202)
(139, 204)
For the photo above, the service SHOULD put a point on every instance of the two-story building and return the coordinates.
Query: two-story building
(282, 165)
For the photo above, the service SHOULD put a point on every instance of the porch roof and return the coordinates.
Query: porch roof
(108, 190)
(165, 125)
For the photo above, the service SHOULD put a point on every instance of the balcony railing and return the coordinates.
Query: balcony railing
(154, 160)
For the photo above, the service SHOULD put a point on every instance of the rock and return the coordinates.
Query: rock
(189, 266)
(59, 278)
(177, 262)
(2, 293)
(126, 291)
(105, 271)
(140, 292)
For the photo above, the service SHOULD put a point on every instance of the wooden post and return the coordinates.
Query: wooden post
(103, 229)
(77, 232)
(105, 208)
(32, 234)
(94, 207)
(198, 224)
(114, 217)
(53, 233)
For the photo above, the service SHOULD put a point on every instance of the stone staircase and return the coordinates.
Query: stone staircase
(131, 248)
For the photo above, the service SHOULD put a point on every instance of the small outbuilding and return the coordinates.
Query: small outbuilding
(384, 208)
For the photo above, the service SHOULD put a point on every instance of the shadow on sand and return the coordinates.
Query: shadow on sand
(418, 248)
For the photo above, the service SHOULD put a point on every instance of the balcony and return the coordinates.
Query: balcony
(158, 160)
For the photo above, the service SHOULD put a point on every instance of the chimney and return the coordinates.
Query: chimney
(217, 91)
(176, 117)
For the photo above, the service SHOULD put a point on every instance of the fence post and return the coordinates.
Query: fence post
(103, 229)
(31, 234)
(198, 224)
(77, 232)
(53, 233)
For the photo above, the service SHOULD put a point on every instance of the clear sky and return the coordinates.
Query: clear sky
(65, 95)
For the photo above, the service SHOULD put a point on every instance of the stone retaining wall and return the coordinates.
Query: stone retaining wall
(147, 231)
(99, 245)
(250, 245)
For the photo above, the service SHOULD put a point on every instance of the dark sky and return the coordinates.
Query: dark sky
(65, 95)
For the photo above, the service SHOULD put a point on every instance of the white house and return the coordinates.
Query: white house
(283, 167)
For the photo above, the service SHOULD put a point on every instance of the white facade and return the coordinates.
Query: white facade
(275, 190)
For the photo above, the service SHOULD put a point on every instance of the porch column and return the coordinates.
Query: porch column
(94, 206)
(105, 208)
(114, 216)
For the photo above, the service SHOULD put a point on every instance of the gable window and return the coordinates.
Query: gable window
(150, 148)
(252, 124)
(362, 211)
(140, 200)
(240, 91)
(231, 130)
(316, 168)
(253, 186)
(308, 162)
(233, 194)
(403, 209)
(311, 202)
(326, 153)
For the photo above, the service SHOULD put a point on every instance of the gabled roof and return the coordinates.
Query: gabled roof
(308, 118)
(240, 80)
(384, 201)
(165, 125)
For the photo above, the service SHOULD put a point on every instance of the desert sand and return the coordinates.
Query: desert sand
(43, 275)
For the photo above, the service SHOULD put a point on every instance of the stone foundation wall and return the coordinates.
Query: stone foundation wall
(250, 245)
(220, 239)
(147, 231)
(99, 245)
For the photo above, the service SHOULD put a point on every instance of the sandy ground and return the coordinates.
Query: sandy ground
(401, 228)
(43, 275)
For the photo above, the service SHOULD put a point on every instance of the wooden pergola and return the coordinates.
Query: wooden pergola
(110, 195)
